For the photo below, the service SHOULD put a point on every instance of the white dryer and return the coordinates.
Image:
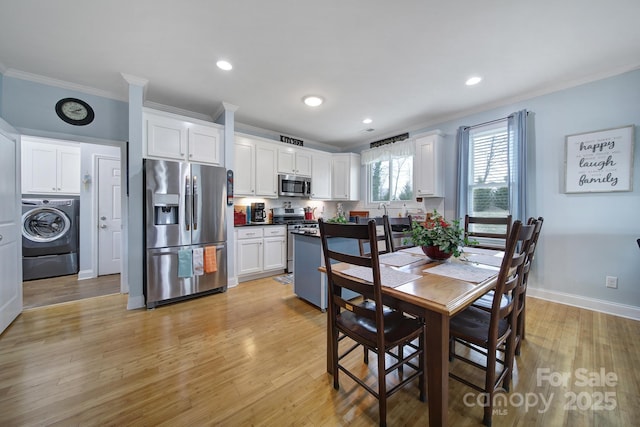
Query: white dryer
(49, 237)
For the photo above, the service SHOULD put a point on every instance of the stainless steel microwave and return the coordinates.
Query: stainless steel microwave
(294, 186)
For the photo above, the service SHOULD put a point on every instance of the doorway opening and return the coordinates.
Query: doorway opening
(96, 181)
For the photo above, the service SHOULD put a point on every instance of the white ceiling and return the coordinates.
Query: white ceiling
(402, 63)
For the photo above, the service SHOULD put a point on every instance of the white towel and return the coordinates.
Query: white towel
(198, 261)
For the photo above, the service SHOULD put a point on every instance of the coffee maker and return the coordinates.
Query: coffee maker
(258, 213)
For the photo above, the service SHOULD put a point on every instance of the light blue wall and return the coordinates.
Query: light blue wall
(29, 105)
(585, 236)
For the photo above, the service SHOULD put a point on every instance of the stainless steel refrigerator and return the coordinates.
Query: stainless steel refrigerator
(185, 230)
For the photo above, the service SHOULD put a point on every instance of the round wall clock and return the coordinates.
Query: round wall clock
(75, 111)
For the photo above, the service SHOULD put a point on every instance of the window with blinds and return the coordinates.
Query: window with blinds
(489, 170)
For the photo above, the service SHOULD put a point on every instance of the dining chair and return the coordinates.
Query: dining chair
(486, 332)
(367, 325)
(401, 226)
(490, 232)
(485, 301)
(381, 236)
(522, 289)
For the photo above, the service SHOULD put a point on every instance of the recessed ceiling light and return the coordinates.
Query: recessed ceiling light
(312, 101)
(224, 65)
(367, 121)
(473, 80)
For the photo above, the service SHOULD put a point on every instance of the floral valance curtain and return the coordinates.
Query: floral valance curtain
(394, 150)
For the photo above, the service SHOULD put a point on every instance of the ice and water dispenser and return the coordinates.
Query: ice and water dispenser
(165, 209)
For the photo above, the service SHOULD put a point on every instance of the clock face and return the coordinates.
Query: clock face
(74, 111)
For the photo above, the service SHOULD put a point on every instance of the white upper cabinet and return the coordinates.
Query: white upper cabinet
(49, 168)
(345, 177)
(168, 136)
(294, 161)
(428, 170)
(321, 176)
(255, 171)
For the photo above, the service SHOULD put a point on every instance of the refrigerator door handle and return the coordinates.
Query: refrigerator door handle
(195, 202)
(187, 204)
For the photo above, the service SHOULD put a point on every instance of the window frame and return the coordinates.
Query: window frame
(501, 127)
(409, 203)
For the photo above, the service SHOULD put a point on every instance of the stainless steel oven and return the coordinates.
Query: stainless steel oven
(294, 186)
(301, 227)
(294, 219)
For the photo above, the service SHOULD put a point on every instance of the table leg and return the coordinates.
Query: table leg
(437, 356)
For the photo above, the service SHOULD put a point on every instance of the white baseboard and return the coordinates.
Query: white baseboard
(232, 282)
(616, 309)
(134, 303)
(86, 274)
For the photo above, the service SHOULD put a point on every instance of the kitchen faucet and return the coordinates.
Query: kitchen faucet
(383, 206)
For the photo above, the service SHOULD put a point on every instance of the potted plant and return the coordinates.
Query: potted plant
(438, 237)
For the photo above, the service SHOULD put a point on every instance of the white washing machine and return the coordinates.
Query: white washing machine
(49, 237)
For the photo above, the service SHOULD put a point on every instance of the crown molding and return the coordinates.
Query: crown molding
(135, 80)
(36, 78)
(229, 106)
(178, 111)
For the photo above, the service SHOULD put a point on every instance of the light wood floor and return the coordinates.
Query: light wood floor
(255, 355)
(55, 290)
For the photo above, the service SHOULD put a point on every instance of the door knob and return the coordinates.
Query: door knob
(103, 218)
(103, 226)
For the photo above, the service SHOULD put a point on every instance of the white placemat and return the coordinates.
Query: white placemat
(397, 259)
(388, 276)
(416, 250)
(481, 251)
(494, 260)
(462, 271)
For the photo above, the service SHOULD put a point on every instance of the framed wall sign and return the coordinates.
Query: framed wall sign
(599, 161)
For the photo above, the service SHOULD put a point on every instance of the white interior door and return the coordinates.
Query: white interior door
(109, 220)
(10, 235)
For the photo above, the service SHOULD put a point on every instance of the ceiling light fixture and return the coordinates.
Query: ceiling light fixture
(224, 65)
(473, 80)
(312, 101)
(367, 121)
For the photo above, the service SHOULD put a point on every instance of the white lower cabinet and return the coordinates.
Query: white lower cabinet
(261, 250)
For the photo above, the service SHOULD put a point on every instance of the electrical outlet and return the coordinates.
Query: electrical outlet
(611, 282)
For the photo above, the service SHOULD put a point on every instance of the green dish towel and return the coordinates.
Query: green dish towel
(185, 263)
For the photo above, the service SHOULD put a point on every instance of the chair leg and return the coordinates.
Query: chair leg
(334, 340)
(382, 389)
(489, 387)
(421, 360)
(400, 355)
(366, 354)
(521, 323)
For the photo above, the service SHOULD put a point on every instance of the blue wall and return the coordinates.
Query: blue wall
(29, 105)
(585, 236)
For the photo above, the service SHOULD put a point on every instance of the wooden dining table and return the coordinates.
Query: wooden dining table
(435, 298)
